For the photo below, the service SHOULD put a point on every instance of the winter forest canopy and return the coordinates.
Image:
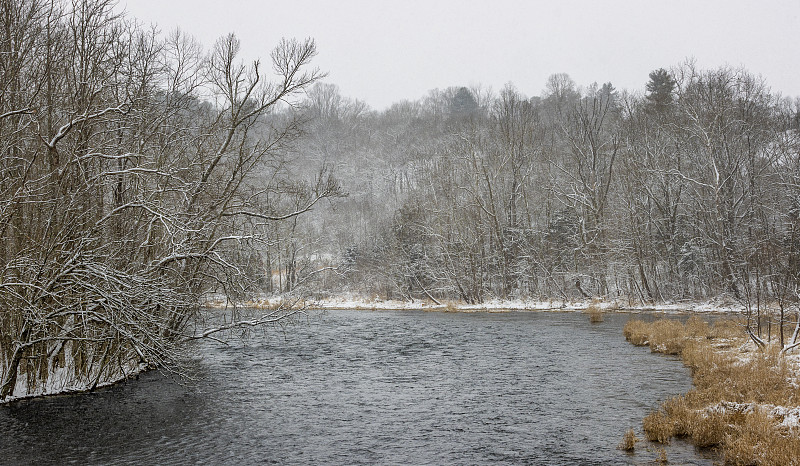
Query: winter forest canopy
(140, 172)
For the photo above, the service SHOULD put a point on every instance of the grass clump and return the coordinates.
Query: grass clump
(595, 313)
(710, 429)
(758, 441)
(680, 416)
(662, 457)
(658, 427)
(667, 336)
(629, 440)
(696, 327)
(450, 306)
(637, 332)
(727, 329)
(280, 304)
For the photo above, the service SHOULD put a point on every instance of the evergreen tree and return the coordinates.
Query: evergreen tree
(659, 89)
(609, 93)
(463, 103)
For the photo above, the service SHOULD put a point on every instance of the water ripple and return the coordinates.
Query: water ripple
(375, 388)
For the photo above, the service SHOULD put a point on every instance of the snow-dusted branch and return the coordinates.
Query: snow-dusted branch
(23, 111)
(265, 319)
(86, 116)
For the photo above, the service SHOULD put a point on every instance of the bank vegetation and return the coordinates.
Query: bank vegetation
(745, 401)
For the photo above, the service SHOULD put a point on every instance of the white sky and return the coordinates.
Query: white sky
(384, 51)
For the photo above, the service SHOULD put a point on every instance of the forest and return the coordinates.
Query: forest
(685, 191)
(140, 173)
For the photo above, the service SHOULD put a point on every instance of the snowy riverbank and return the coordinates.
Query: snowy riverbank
(62, 381)
(356, 302)
(743, 400)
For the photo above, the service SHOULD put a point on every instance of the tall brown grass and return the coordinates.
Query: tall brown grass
(667, 336)
(662, 456)
(726, 406)
(595, 312)
(758, 441)
(628, 441)
(637, 332)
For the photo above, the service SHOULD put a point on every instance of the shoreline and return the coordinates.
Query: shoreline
(359, 303)
(72, 391)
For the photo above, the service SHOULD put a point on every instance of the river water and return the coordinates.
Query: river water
(361, 387)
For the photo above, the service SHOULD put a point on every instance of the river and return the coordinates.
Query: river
(357, 387)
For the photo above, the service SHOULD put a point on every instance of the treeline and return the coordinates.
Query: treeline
(137, 173)
(688, 190)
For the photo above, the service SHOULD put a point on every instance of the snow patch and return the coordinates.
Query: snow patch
(789, 416)
(63, 379)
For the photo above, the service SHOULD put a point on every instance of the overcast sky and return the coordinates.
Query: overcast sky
(386, 51)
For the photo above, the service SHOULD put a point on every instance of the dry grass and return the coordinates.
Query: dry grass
(696, 327)
(628, 441)
(596, 317)
(667, 336)
(762, 378)
(662, 456)
(758, 441)
(726, 406)
(679, 416)
(710, 429)
(283, 304)
(595, 312)
(658, 427)
(276, 305)
(730, 329)
(637, 332)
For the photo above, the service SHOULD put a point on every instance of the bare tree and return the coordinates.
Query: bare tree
(126, 194)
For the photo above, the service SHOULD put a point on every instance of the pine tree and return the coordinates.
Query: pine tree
(463, 103)
(659, 89)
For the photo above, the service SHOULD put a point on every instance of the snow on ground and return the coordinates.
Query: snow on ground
(788, 415)
(357, 302)
(62, 380)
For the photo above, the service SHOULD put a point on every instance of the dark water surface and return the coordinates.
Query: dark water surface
(375, 388)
